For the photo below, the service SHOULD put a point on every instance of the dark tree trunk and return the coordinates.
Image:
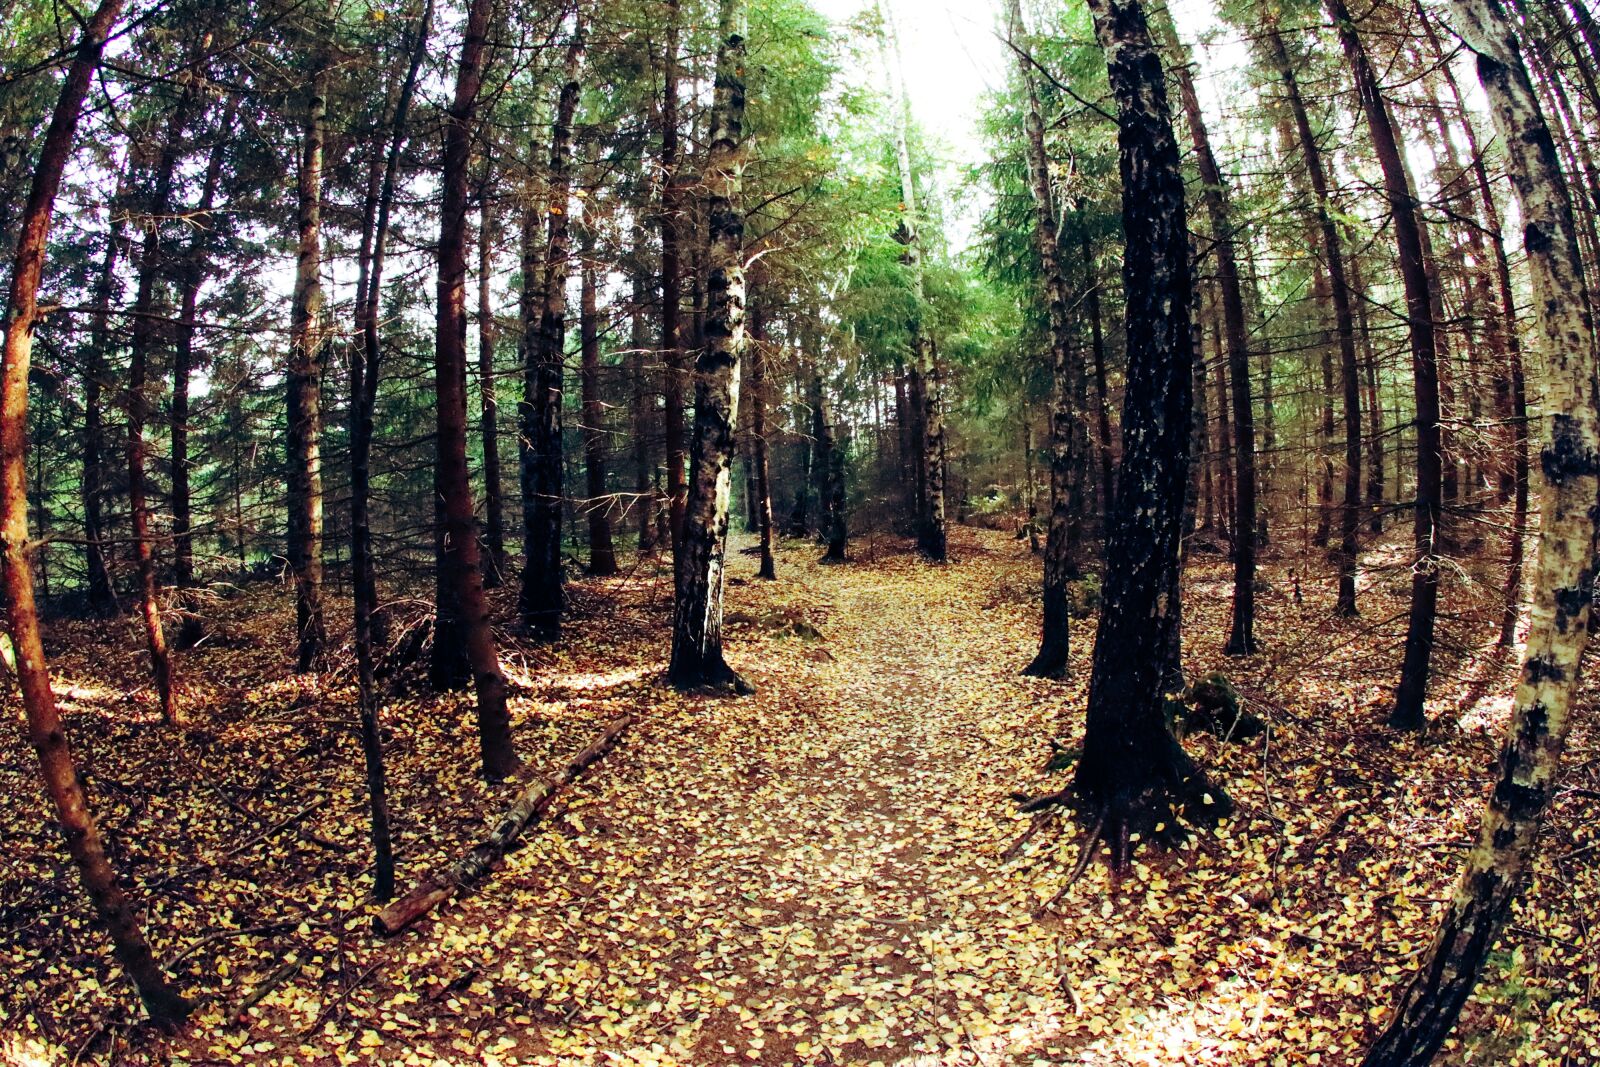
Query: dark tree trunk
(101, 593)
(1225, 441)
(827, 459)
(602, 554)
(903, 422)
(1051, 659)
(758, 441)
(1342, 299)
(1322, 295)
(1376, 478)
(697, 659)
(540, 598)
(183, 363)
(1133, 773)
(60, 774)
(307, 356)
(365, 360)
(1097, 350)
(674, 369)
(836, 529)
(1412, 690)
(142, 341)
(459, 568)
(1240, 436)
(494, 558)
(643, 401)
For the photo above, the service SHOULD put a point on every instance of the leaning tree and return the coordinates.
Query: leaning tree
(1568, 481)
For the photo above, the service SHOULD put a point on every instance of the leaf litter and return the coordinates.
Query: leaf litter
(814, 875)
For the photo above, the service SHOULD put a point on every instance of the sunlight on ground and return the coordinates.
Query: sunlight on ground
(575, 680)
(26, 1052)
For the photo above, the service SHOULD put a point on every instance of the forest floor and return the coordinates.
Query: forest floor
(813, 875)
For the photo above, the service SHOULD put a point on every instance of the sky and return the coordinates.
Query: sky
(952, 56)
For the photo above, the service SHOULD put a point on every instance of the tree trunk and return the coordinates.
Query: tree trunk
(307, 356)
(494, 560)
(530, 308)
(1376, 478)
(1133, 773)
(1541, 714)
(674, 369)
(60, 774)
(1342, 299)
(1097, 350)
(1510, 379)
(101, 593)
(142, 341)
(602, 554)
(540, 598)
(365, 360)
(925, 386)
(1240, 435)
(828, 460)
(1051, 659)
(697, 660)
(183, 362)
(458, 564)
(758, 441)
(643, 401)
(1407, 713)
(532, 802)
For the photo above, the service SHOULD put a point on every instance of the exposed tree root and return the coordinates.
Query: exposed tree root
(1040, 820)
(1176, 795)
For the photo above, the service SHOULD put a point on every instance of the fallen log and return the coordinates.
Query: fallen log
(530, 804)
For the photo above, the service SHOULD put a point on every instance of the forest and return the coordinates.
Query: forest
(799, 532)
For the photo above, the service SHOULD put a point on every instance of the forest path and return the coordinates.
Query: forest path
(807, 875)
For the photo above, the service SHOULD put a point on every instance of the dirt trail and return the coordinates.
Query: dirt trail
(801, 876)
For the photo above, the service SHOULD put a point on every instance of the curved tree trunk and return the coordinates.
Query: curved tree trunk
(459, 569)
(56, 765)
(697, 660)
(1569, 484)
(365, 360)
